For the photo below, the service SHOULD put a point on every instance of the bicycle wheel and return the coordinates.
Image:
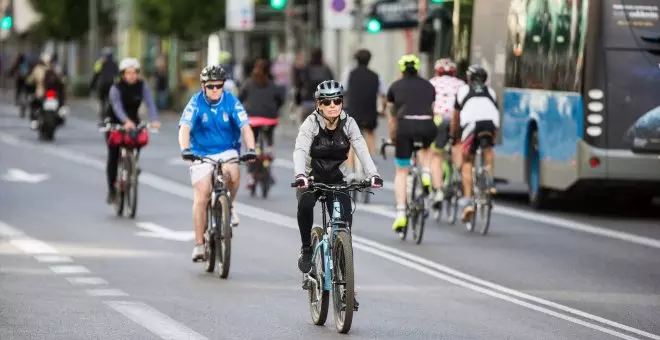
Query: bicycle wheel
(223, 235)
(132, 192)
(488, 209)
(343, 289)
(318, 296)
(265, 181)
(209, 239)
(120, 186)
(418, 216)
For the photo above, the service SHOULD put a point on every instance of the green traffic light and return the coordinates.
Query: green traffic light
(373, 26)
(437, 1)
(277, 4)
(6, 23)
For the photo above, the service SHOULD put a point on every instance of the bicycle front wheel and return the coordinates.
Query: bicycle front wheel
(209, 240)
(121, 186)
(318, 296)
(223, 235)
(132, 190)
(343, 294)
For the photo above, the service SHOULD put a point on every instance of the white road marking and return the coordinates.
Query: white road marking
(69, 269)
(32, 246)
(105, 292)
(86, 280)
(53, 259)
(158, 231)
(8, 231)
(155, 321)
(375, 248)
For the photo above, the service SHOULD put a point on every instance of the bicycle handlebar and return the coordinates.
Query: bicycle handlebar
(386, 143)
(337, 187)
(209, 160)
(120, 127)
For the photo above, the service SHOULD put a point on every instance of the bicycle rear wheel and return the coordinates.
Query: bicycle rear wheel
(209, 239)
(343, 289)
(418, 213)
(318, 296)
(223, 235)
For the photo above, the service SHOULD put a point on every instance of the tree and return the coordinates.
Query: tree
(67, 20)
(180, 18)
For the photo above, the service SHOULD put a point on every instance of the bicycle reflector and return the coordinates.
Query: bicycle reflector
(50, 94)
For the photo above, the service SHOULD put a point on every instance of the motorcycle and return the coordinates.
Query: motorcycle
(51, 115)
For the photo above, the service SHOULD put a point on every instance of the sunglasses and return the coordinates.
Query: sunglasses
(214, 86)
(337, 101)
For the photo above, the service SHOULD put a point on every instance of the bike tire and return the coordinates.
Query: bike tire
(209, 240)
(132, 193)
(489, 210)
(318, 298)
(120, 188)
(225, 233)
(343, 254)
(265, 183)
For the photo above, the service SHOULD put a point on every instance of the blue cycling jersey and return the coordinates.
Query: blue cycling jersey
(214, 128)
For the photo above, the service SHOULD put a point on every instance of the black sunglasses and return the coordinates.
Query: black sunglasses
(337, 101)
(214, 86)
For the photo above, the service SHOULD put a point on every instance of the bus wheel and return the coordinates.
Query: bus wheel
(538, 196)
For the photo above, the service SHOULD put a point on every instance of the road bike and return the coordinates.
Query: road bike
(416, 211)
(453, 189)
(482, 201)
(129, 142)
(332, 259)
(218, 231)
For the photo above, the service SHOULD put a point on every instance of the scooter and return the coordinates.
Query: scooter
(50, 116)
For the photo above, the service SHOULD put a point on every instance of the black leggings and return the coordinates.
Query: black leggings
(307, 201)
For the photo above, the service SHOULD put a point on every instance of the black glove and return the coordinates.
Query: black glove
(302, 182)
(249, 155)
(376, 181)
(187, 155)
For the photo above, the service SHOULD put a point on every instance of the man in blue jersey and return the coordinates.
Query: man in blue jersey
(211, 125)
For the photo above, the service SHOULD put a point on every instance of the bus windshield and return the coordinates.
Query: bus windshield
(632, 43)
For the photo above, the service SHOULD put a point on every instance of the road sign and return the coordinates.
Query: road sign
(396, 14)
(240, 15)
(337, 14)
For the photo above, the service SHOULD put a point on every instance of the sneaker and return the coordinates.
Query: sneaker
(399, 223)
(34, 124)
(305, 259)
(439, 197)
(198, 253)
(234, 218)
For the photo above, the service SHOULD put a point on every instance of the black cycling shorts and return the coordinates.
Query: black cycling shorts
(410, 131)
(442, 136)
(267, 132)
(480, 133)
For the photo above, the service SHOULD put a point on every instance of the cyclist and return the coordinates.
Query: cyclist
(125, 98)
(477, 115)
(364, 87)
(262, 99)
(410, 101)
(446, 86)
(211, 125)
(105, 73)
(321, 150)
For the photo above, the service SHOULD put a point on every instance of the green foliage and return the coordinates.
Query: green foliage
(182, 18)
(68, 19)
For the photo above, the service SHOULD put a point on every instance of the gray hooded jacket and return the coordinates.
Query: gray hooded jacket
(309, 129)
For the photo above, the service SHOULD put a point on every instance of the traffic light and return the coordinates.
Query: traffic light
(373, 26)
(437, 1)
(277, 4)
(6, 22)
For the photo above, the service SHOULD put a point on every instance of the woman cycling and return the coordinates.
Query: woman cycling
(321, 150)
(262, 101)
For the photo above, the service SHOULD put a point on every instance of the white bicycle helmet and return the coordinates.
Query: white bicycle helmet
(129, 63)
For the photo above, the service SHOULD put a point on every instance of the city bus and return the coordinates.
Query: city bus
(578, 84)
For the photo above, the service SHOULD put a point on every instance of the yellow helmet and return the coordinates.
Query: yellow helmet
(409, 61)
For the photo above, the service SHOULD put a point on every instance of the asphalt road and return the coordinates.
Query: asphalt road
(70, 269)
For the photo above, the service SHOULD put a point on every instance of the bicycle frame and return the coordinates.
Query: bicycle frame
(331, 227)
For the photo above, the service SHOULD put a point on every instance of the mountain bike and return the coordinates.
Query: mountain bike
(218, 230)
(416, 211)
(129, 142)
(332, 260)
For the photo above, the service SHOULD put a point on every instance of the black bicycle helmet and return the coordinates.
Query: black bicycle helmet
(476, 74)
(329, 89)
(213, 73)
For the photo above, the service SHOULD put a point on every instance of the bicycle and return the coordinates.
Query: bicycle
(453, 186)
(416, 206)
(332, 261)
(261, 168)
(129, 142)
(218, 209)
(481, 199)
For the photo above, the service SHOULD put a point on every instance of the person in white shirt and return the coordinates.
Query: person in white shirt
(446, 86)
(477, 115)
